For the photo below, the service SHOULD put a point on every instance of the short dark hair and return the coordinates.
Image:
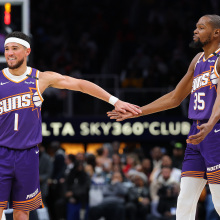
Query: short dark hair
(214, 21)
(20, 35)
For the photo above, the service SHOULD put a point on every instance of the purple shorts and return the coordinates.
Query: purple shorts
(19, 179)
(203, 160)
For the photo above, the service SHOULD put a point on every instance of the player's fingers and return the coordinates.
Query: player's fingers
(114, 117)
(136, 109)
(194, 141)
(120, 119)
(112, 113)
(200, 127)
(195, 136)
(136, 106)
(122, 110)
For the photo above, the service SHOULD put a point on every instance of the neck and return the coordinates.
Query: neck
(210, 49)
(19, 71)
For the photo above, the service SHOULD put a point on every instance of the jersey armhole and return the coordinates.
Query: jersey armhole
(198, 60)
(215, 69)
(37, 86)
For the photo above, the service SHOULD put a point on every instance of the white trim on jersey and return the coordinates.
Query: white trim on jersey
(37, 86)
(215, 69)
(17, 78)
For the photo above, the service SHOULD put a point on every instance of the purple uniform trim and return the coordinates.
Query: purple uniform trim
(203, 160)
(20, 111)
(19, 179)
(203, 93)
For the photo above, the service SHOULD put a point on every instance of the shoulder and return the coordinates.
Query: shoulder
(194, 62)
(196, 57)
(218, 65)
(50, 77)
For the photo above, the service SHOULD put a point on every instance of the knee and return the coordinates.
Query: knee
(185, 201)
(20, 215)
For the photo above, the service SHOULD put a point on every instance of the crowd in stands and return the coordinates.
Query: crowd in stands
(143, 42)
(109, 185)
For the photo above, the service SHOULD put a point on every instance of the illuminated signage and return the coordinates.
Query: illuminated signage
(102, 129)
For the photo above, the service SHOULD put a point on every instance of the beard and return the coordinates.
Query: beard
(198, 44)
(17, 65)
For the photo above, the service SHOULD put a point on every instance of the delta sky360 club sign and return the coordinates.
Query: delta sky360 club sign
(102, 129)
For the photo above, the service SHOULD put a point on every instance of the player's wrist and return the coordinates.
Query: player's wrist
(112, 100)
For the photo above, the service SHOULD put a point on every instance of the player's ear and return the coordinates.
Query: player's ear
(217, 32)
(28, 51)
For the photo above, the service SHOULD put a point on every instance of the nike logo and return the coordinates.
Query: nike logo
(3, 83)
(216, 131)
(37, 151)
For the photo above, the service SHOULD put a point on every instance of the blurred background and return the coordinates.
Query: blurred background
(138, 51)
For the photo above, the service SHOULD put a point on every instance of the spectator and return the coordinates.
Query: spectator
(178, 155)
(138, 199)
(90, 164)
(168, 200)
(59, 166)
(77, 192)
(163, 180)
(112, 206)
(116, 163)
(156, 155)
(60, 204)
(166, 161)
(131, 162)
(146, 167)
(45, 171)
(102, 159)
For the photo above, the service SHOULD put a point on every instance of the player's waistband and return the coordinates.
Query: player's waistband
(196, 122)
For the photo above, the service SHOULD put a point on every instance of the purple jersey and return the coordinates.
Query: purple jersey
(204, 87)
(20, 109)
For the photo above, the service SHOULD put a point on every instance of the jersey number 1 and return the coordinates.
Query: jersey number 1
(199, 103)
(16, 122)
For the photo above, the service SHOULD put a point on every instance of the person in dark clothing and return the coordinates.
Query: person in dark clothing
(55, 188)
(45, 171)
(76, 193)
(167, 202)
(138, 199)
(112, 206)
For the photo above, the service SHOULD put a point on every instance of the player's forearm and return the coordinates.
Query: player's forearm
(165, 102)
(94, 90)
(215, 116)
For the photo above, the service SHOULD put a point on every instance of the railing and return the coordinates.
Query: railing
(76, 103)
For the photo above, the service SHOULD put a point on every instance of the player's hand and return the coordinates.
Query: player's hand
(199, 137)
(118, 116)
(124, 107)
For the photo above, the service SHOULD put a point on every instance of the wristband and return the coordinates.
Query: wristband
(112, 100)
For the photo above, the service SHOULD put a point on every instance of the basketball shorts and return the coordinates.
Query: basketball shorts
(19, 179)
(203, 160)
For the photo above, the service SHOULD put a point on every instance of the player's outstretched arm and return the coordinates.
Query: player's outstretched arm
(52, 79)
(168, 101)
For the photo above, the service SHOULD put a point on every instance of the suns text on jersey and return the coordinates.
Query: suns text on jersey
(200, 81)
(16, 102)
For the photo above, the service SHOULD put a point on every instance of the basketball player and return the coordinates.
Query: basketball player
(21, 90)
(202, 155)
